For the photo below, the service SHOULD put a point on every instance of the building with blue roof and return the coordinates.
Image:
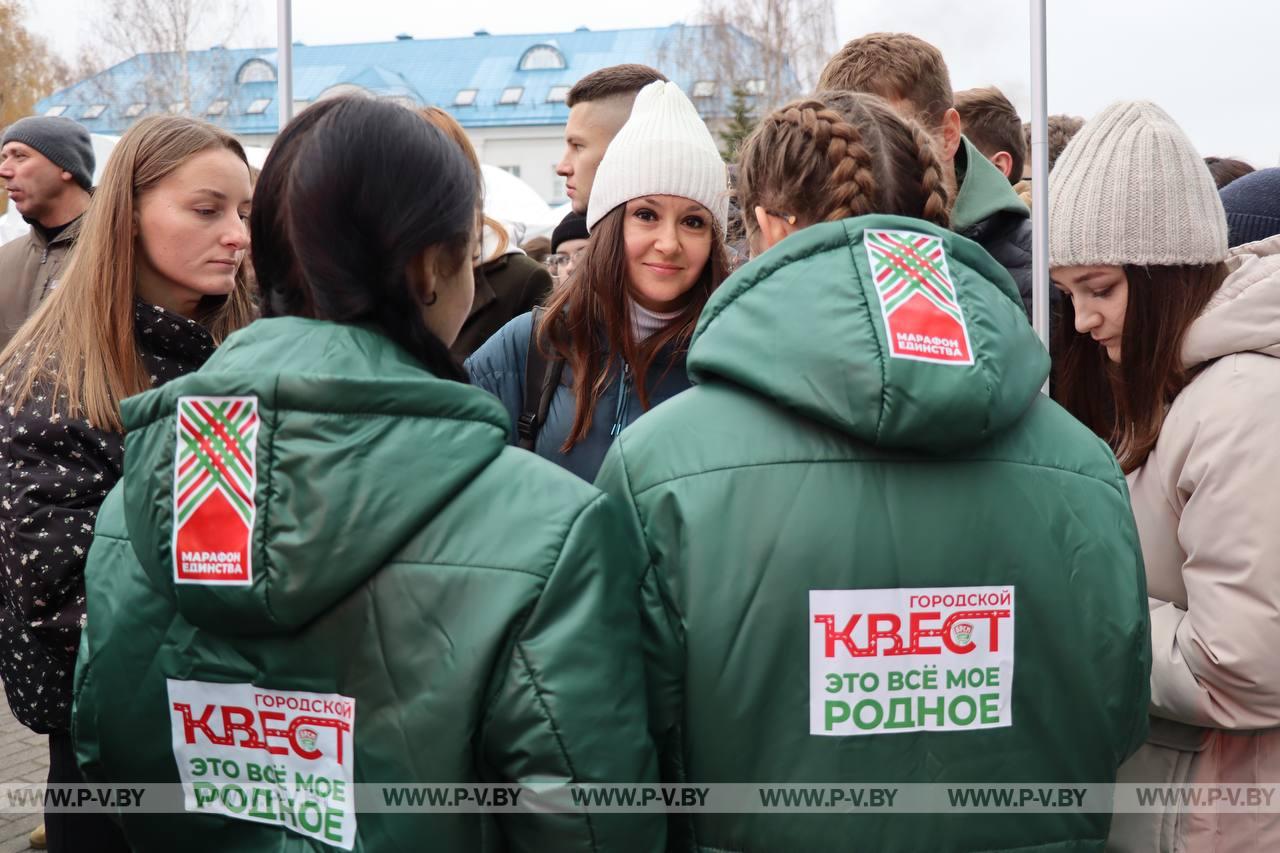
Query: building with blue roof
(507, 91)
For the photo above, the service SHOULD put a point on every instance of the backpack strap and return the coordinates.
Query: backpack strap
(539, 387)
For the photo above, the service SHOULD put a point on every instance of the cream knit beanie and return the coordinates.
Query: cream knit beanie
(1131, 189)
(663, 149)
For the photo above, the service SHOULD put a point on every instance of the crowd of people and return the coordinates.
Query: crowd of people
(668, 506)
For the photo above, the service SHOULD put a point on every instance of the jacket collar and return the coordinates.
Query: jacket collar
(983, 190)
(67, 235)
(168, 336)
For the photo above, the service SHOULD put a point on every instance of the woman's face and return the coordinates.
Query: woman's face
(192, 231)
(1099, 295)
(668, 240)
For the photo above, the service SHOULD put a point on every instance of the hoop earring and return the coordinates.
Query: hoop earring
(427, 303)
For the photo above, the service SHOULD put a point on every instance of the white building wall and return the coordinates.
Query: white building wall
(529, 152)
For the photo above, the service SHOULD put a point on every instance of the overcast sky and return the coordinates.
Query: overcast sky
(1210, 65)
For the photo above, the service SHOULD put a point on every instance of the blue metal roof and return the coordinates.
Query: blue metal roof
(427, 71)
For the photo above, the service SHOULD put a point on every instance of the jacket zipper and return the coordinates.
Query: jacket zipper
(45, 256)
(620, 415)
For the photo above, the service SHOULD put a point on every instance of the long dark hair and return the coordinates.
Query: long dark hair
(353, 191)
(1125, 403)
(589, 323)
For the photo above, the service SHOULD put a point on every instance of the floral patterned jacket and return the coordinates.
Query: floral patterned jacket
(55, 471)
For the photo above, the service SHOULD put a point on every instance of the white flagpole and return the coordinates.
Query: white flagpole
(284, 61)
(1039, 174)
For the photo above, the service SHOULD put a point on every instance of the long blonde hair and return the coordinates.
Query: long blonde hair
(81, 339)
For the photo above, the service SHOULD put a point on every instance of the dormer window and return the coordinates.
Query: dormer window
(465, 97)
(541, 57)
(558, 95)
(511, 95)
(256, 71)
(94, 111)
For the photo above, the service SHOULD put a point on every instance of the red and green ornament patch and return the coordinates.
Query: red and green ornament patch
(214, 480)
(922, 316)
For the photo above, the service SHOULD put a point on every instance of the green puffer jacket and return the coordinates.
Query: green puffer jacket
(879, 555)
(404, 598)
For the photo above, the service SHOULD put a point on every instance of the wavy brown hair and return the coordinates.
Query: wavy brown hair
(837, 155)
(80, 340)
(588, 322)
(1125, 403)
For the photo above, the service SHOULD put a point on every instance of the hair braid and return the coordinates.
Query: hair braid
(852, 184)
(937, 205)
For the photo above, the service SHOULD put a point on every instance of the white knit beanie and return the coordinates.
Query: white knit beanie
(1130, 188)
(663, 149)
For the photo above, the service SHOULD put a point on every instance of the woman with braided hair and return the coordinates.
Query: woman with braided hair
(877, 554)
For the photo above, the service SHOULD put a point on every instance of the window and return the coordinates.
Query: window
(256, 71)
(514, 171)
(704, 89)
(511, 95)
(558, 94)
(540, 57)
(178, 107)
(134, 110)
(464, 98)
(754, 86)
(217, 108)
(402, 101)
(56, 111)
(258, 107)
(94, 111)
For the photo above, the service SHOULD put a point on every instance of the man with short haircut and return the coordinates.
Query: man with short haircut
(599, 104)
(912, 76)
(992, 123)
(47, 164)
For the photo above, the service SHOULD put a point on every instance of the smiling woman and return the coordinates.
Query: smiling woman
(620, 323)
(156, 282)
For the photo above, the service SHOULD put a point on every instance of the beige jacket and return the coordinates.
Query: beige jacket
(1207, 504)
(29, 268)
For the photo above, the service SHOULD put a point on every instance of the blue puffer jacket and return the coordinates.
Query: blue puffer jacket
(499, 368)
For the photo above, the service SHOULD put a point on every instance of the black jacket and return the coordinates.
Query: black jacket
(506, 287)
(1007, 238)
(56, 472)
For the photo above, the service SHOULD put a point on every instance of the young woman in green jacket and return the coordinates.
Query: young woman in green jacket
(877, 554)
(326, 568)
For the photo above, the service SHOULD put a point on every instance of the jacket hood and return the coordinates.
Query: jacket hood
(890, 329)
(983, 191)
(347, 448)
(1244, 315)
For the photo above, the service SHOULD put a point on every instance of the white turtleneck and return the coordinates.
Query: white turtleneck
(645, 323)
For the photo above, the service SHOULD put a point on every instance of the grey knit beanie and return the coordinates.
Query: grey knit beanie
(1130, 188)
(64, 142)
